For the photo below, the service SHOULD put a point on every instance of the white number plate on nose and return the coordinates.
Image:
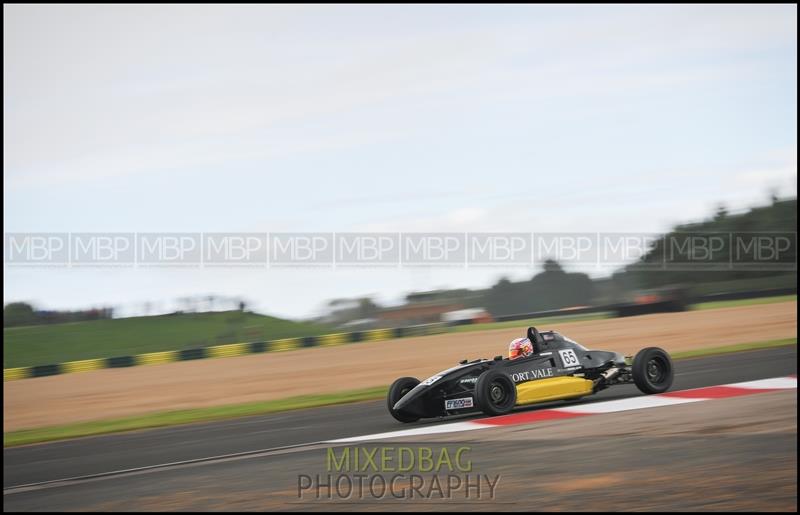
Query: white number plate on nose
(569, 358)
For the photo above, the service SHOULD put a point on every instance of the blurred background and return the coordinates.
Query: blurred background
(558, 119)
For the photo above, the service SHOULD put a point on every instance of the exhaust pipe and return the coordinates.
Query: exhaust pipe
(606, 376)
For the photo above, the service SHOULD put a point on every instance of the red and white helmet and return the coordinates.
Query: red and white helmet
(520, 348)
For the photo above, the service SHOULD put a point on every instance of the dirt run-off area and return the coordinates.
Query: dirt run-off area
(114, 393)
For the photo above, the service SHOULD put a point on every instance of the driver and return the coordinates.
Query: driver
(520, 348)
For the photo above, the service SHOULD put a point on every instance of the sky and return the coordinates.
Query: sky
(298, 118)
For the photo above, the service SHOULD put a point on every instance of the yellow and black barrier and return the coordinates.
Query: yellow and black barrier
(220, 351)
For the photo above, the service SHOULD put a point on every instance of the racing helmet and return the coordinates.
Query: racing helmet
(520, 348)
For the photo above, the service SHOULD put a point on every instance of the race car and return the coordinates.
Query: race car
(557, 368)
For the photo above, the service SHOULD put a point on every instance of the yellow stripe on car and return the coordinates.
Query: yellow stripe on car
(553, 388)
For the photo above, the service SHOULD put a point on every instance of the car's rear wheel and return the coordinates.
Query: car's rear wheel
(495, 393)
(396, 392)
(652, 370)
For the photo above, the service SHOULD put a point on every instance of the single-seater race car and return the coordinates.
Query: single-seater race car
(556, 369)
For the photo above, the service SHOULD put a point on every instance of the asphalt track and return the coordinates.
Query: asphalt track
(98, 455)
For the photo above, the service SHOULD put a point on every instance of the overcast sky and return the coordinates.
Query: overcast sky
(371, 118)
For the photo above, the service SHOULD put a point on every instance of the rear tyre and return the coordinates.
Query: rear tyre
(495, 393)
(652, 370)
(396, 392)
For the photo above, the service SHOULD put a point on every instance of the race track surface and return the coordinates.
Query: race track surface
(107, 454)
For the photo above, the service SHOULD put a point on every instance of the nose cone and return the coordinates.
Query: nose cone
(410, 397)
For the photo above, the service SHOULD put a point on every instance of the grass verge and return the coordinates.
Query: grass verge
(172, 418)
(744, 302)
(187, 416)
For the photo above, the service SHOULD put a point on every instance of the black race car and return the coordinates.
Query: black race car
(559, 368)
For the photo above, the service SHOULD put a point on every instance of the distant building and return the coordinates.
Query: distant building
(467, 316)
(419, 312)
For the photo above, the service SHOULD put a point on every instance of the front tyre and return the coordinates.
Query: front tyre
(396, 392)
(652, 370)
(495, 393)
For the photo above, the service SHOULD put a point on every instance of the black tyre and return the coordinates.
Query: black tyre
(396, 392)
(495, 393)
(652, 370)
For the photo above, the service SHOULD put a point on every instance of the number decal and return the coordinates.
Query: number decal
(569, 358)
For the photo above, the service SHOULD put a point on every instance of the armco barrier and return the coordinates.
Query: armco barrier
(220, 351)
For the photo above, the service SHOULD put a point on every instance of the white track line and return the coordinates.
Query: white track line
(427, 430)
(650, 401)
(780, 383)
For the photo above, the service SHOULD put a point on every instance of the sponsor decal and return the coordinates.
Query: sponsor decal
(469, 380)
(528, 375)
(465, 402)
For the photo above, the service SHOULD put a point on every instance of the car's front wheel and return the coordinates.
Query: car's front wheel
(652, 370)
(396, 392)
(495, 393)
